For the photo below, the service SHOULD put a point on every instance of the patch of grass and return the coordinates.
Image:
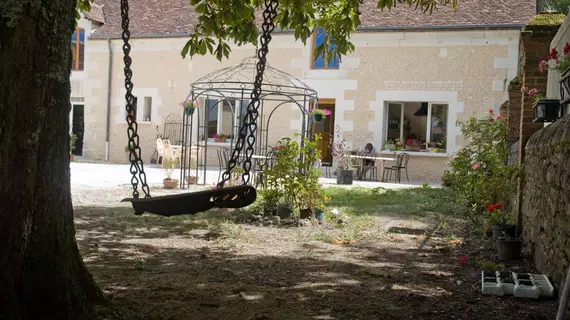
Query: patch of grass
(415, 201)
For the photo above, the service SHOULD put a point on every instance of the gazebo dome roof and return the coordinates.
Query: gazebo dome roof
(235, 81)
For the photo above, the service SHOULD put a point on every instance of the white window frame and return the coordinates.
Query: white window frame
(428, 124)
(140, 109)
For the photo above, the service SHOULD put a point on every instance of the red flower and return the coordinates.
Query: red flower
(491, 111)
(498, 117)
(494, 207)
(491, 119)
(553, 55)
(463, 259)
(279, 147)
(566, 48)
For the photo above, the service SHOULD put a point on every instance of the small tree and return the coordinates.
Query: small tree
(480, 173)
(340, 149)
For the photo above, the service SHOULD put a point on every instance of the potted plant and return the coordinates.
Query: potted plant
(219, 137)
(127, 152)
(509, 247)
(320, 114)
(283, 177)
(169, 165)
(341, 152)
(189, 106)
(398, 146)
(500, 220)
(390, 145)
(72, 140)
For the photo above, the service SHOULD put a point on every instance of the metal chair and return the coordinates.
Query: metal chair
(401, 163)
(263, 164)
(221, 153)
(327, 166)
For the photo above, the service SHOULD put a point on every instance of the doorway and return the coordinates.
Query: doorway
(326, 129)
(77, 127)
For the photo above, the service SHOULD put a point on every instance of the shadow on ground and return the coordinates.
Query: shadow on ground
(187, 268)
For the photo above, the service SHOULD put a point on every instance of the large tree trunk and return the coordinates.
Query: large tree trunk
(42, 275)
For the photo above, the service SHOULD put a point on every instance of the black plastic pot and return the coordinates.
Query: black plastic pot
(509, 229)
(285, 212)
(317, 118)
(344, 177)
(305, 213)
(509, 249)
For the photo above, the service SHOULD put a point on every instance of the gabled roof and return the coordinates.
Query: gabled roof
(176, 17)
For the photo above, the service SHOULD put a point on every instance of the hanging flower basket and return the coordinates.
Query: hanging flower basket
(320, 114)
(189, 106)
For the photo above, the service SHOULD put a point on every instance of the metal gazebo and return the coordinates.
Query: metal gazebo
(230, 88)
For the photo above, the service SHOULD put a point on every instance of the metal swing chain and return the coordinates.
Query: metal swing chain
(134, 148)
(249, 127)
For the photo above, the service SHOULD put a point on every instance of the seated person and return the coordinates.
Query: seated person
(367, 150)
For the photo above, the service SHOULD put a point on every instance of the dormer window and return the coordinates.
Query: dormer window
(78, 49)
(320, 62)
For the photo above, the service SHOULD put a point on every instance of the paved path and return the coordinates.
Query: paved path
(100, 175)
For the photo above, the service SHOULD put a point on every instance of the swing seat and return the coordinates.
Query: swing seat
(195, 202)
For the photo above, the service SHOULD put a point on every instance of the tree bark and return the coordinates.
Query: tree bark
(42, 275)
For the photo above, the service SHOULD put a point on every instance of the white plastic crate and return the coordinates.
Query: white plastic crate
(544, 285)
(491, 285)
(525, 288)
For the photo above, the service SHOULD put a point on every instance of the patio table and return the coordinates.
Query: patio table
(376, 159)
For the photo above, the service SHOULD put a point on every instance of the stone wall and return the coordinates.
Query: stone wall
(546, 199)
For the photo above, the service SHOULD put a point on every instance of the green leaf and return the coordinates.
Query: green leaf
(186, 48)
(203, 48)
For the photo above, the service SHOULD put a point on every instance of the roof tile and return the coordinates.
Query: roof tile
(177, 16)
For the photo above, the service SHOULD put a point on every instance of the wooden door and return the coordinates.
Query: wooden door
(325, 129)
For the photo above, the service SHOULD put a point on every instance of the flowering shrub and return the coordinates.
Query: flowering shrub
(293, 182)
(533, 93)
(340, 149)
(497, 215)
(480, 173)
(556, 61)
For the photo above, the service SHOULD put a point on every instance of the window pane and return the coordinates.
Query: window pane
(319, 39)
(74, 50)
(227, 116)
(212, 109)
(394, 121)
(415, 125)
(438, 136)
(147, 109)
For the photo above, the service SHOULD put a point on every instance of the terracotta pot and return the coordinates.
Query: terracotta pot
(170, 183)
(488, 227)
(220, 139)
(191, 179)
(71, 157)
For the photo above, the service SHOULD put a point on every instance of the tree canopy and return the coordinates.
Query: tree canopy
(562, 6)
(224, 21)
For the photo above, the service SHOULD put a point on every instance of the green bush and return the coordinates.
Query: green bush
(294, 180)
(480, 174)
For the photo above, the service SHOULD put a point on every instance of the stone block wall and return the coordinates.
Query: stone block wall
(546, 199)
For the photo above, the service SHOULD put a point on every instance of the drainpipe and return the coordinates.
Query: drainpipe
(108, 124)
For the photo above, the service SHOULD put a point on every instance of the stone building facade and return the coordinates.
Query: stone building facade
(460, 64)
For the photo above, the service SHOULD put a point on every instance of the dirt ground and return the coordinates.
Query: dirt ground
(387, 266)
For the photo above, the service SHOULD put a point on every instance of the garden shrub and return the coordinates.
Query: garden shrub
(480, 174)
(294, 180)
